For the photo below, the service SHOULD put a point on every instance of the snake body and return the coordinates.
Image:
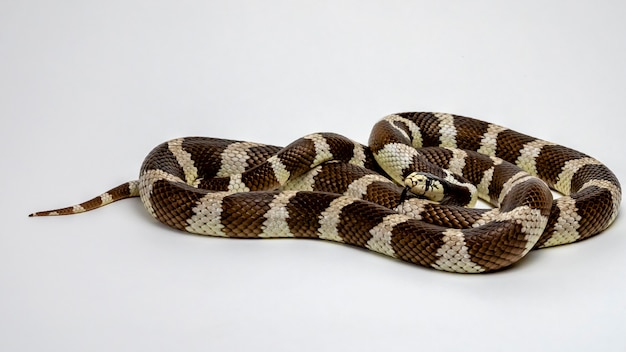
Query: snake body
(326, 186)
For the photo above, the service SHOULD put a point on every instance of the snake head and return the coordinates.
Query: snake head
(425, 184)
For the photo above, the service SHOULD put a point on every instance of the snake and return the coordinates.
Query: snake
(409, 194)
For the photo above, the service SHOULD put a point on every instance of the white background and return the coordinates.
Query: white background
(88, 88)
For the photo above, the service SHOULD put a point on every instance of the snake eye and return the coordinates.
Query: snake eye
(416, 181)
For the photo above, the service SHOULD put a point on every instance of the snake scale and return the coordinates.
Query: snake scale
(407, 195)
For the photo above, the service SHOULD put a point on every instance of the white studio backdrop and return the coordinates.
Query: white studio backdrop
(88, 88)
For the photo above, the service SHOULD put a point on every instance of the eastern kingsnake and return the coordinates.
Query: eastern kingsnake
(329, 187)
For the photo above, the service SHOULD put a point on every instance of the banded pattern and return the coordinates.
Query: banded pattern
(592, 193)
(326, 186)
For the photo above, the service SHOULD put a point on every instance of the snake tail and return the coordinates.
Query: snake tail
(125, 190)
